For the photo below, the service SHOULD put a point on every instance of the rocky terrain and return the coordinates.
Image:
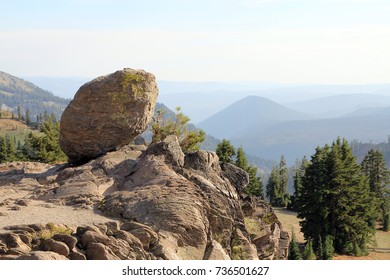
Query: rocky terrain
(134, 202)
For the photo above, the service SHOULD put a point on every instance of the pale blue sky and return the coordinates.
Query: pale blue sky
(284, 41)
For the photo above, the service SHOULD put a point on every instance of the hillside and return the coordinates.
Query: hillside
(14, 129)
(16, 92)
(248, 114)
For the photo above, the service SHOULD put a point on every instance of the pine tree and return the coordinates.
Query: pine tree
(386, 222)
(225, 151)
(299, 173)
(272, 186)
(335, 200)
(10, 149)
(308, 253)
(284, 198)
(276, 188)
(44, 148)
(255, 185)
(328, 249)
(241, 160)
(28, 117)
(374, 167)
(293, 249)
(163, 127)
(19, 113)
(3, 149)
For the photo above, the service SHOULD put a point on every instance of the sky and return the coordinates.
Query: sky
(277, 41)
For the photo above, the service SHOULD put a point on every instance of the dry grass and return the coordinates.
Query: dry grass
(14, 128)
(290, 222)
(380, 251)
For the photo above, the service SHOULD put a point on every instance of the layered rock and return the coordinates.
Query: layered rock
(160, 203)
(108, 113)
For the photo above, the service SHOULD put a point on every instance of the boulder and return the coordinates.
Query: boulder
(56, 246)
(69, 240)
(108, 113)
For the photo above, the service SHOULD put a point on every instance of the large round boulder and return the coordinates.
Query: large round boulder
(108, 113)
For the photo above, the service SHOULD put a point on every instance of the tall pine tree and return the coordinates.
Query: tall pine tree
(374, 167)
(335, 200)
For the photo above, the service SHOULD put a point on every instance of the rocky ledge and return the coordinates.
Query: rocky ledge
(136, 203)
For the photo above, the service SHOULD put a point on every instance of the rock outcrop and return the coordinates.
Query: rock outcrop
(157, 204)
(123, 201)
(108, 113)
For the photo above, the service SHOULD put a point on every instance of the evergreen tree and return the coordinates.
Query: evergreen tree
(293, 249)
(28, 117)
(276, 189)
(44, 148)
(3, 149)
(225, 151)
(272, 186)
(163, 127)
(386, 222)
(299, 173)
(374, 167)
(335, 200)
(328, 250)
(283, 173)
(11, 148)
(241, 160)
(19, 113)
(319, 248)
(308, 253)
(255, 186)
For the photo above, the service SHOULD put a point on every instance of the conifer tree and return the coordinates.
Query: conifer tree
(255, 185)
(335, 200)
(28, 117)
(276, 188)
(225, 151)
(299, 173)
(374, 167)
(241, 160)
(328, 249)
(308, 253)
(283, 173)
(44, 148)
(189, 140)
(3, 149)
(272, 186)
(293, 249)
(386, 222)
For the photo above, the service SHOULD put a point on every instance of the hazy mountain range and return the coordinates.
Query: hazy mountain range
(269, 130)
(267, 119)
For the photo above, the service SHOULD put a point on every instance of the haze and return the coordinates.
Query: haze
(294, 42)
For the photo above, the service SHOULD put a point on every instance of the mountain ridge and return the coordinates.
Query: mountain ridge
(245, 114)
(16, 92)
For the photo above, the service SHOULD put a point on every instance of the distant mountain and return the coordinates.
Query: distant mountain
(246, 115)
(65, 87)
(16, 92)
(297, 138)
(370, 112)
(339, 105)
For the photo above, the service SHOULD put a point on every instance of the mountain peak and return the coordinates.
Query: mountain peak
(246, 114)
